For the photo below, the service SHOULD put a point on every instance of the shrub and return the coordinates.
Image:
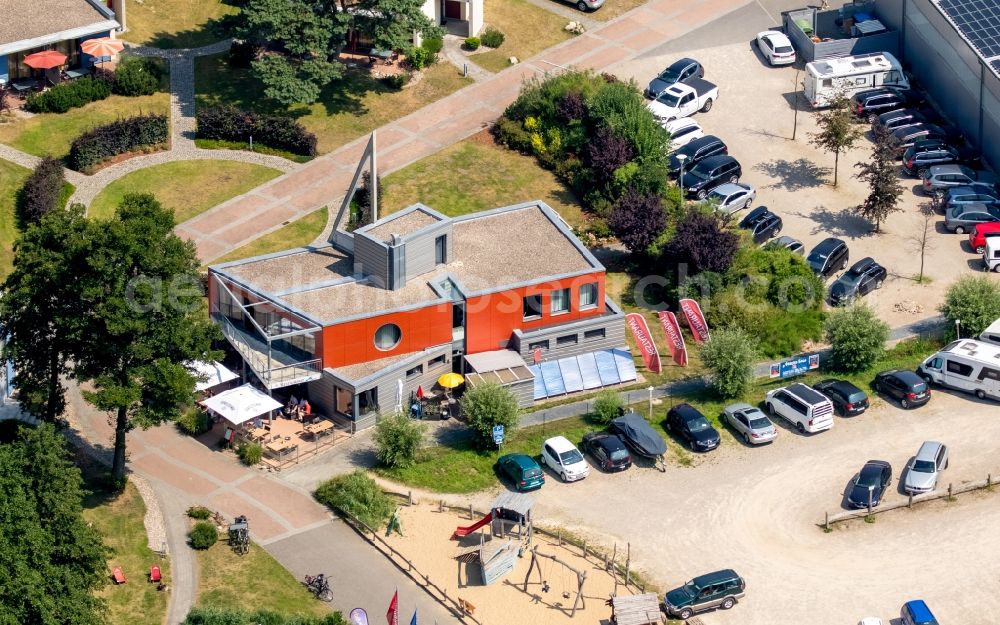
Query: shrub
(637, 220)
(361, 206)
(42, 191)
(419, 58)
(973, 301)
(472, 43)
(203, 535)
(730, 357)
(857, 337)
(213, 615)
(397, 439)
(251, 453)
(607, 405)
(242, 54)
(396, 81)
(194, 421)
(487, 405)
(571, 107)
(433, 45)
(492, 38)
(199, 512)
(702, 243)
(125, 135)
(359, 496)
(136, 76)
(228, 123)
(68, 95)
(511, 134)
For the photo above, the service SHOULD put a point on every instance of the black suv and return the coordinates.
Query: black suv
(902, 138)
(900, 119)
(923, 154)
(689, 425)
(870, 103)
(694, 152)
(904, 386)
(762, 224)
(848, 400)
(830, 255)
(710, 173)
(861, 279)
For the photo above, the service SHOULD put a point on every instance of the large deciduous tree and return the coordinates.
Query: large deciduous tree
(702, 243)
(638, 219)
(881, 174)
(838, 131)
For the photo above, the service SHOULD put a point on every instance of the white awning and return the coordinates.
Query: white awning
(484, 362)
(211, 374)
(241, 404)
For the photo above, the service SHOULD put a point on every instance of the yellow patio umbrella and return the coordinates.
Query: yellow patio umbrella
(451, 380)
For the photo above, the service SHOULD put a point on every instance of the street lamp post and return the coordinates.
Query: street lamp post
(958, 329)
(650, 389)
(682, 158)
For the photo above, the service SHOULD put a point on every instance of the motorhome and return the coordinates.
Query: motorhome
(992, 333)
(966, 365)
(851, 74)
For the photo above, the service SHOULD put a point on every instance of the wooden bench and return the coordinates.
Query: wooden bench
(118, 575)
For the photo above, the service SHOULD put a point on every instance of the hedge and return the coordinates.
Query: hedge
(119, 137)
(68, 95)
(42, 191)
(228, 123)
(136, 76)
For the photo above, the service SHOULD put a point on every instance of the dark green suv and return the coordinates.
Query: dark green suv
(720, 589)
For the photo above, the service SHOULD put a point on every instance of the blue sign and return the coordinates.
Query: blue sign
(498, 434)
(795, 366)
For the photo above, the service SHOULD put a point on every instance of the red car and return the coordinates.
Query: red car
(977, 238)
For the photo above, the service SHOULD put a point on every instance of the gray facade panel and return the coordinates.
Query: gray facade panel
(321, 396)
(524, 392)
(420, 251)
(614, 336)
(373, 259)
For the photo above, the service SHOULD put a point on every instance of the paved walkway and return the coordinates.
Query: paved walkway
(452, 51)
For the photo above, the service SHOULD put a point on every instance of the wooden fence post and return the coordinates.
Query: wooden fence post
(826, 523)
(584, 548)
(470, 511)
(440, 505)
(989, 480)
(909, 503)
(409, 497)
(628, 563)
(949, 490)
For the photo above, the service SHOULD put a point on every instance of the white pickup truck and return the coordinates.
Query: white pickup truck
(684, 99)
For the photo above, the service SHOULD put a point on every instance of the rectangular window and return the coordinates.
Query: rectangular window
(414, 372)
(592, 335)
(588, 296)
(560, 301)
(569, 339)
(959, 368)
(441, 249)
(538, 345)
(532, 306)
(437, 362)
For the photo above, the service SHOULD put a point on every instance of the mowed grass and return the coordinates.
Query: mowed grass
(614, 8)
(12, 177)
(52, 133)
(347, 109)
(254, 581)
(188, 188)
(299, 233)
(119, 520)
(175, 23)
(527, 31)
(475, 175)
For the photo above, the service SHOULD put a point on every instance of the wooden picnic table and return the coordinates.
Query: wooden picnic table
(258, 433)
(279, 447)
(319, 428)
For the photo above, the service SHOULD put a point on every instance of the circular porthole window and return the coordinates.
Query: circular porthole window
(388, 336)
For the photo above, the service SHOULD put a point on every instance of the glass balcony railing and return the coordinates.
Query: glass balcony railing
(274, 367)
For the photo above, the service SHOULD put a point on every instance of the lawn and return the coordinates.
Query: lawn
(11, 178)
(614, 8)
(173, 183)
(347, 109)
(299, 233)
(455, 182)
(254, 581)
(52, 133)
(175, 23)
(527, 31)
(119, 520)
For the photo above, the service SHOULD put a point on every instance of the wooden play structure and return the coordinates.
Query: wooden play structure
(510, 535)
(636, 609)
(581, 576)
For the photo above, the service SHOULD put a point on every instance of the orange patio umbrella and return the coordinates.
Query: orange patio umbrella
(45, 60)
(102, 46)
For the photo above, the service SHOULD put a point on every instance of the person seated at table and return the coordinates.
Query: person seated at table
(304, 409)
(291, 408)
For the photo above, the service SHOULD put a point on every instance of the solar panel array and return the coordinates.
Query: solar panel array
(586, 371)
(978, 21)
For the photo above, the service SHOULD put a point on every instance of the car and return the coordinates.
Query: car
(710, 173)
(848, 400)
(870, 620)
(689, 425)
(731, 197)
(902, 138)
(870, 103)
(775, 47)
(981, 232)
(720, 589)
(830, 255)
(564, 459)
(800, 405)
(639, 436)
(940, 177)
(683, 99)
(906, 387)
(869, 484)
(916, 612)
(924, 469)
(922, 155)
(762, 224)
(522, 470)
(861, 279)
(791, 244)
(899, 118)
(682, 131)
(694, 152)
(750, 423)
(586, 5)
(681, 70)
(984, 193)
(964, 217)
(607, 450)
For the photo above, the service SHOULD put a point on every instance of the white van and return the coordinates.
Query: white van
(991, 254)
(966, 365)
(991, 334)
(851, 74)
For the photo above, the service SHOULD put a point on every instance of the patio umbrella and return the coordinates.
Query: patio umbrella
(45, 60)
(103, 46)
(451, 380)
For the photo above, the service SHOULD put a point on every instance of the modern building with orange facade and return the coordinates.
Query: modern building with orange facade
(508, 295)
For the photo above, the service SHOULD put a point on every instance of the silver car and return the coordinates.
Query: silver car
(963, 218)
(752, 424)
(923, 471)
(731, 197)
(789, 243)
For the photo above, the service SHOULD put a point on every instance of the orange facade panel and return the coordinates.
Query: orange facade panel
(353, 342)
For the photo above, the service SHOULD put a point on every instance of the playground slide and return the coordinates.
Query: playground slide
(465, 531)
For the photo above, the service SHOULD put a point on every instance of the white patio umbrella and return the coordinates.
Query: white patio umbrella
(241, 404)
(210, 374)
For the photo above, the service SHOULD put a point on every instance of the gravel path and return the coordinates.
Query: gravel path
(156, 532)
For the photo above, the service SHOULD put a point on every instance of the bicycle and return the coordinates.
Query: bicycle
(320, 586)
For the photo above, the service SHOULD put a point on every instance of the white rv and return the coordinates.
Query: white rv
(967, 365)
(851, 74)
(991, 334)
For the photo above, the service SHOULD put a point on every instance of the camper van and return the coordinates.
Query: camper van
(851, 74)
(991, 334)
(966, 365)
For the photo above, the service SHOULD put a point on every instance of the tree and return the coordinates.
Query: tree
(730, 356)
(145, 320)
(42, 191)
(881, 174)
(921, 239)
(361, 211)
(487, 405)
(606, 153)
(973, 301)
(638, 219)
(53, 561)
(397, 440)
(391, 23)
(702, 243)
(837, 130)
(857, 337)
(607, 405)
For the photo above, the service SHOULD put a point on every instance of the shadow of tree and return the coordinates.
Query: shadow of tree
(794, 175)
(837, 223)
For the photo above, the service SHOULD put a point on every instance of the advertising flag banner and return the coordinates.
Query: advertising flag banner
(675, 340)
(413, 621)
(695, 320)
(392, 615)
(651, 357)
(359, 617)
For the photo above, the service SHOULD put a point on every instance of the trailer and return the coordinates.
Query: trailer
(851, 74)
